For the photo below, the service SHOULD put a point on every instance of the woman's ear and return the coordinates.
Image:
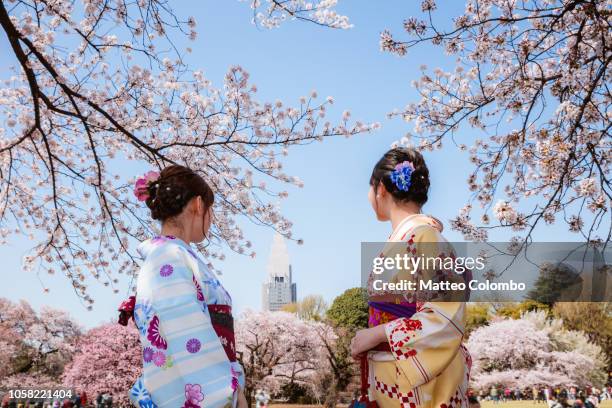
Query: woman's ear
(201, 206)
(197, 205)
(381, 191)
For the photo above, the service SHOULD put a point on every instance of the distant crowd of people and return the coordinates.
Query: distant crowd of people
(554, 397)
(103, 400)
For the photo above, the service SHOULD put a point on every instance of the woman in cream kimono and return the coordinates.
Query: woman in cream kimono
(414, 353)
(181, 310)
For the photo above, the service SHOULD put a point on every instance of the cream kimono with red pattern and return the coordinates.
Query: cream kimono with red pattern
(427, 366)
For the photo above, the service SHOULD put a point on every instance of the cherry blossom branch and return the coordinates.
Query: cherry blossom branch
(80, 106)
(532, 78)
(319, 12)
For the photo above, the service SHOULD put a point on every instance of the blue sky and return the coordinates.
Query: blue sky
(331, 213)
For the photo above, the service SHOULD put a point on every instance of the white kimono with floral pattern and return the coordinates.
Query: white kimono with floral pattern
(184, 363)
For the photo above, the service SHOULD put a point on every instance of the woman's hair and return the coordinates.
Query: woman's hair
(419, 180)
(171, 192)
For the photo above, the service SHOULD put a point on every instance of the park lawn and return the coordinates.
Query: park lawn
(484, 404)
(529, 404)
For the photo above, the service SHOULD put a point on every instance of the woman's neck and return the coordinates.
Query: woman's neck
(398, 213)
(169, 229)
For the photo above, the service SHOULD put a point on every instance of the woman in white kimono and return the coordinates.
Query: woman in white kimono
(181, 310)
(411, 353)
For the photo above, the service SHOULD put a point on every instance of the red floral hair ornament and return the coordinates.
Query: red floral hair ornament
(141, 188)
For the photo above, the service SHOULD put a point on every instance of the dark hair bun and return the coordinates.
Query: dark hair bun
(175, 186)
(419, 180)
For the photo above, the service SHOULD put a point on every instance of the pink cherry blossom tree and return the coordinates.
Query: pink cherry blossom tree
(278, 348)
(107, 359)
(99, 83)
(10, 343)
(534, 350)
(31, 380)
(34, 346)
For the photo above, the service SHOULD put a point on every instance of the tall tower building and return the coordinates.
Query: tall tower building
(279, 289)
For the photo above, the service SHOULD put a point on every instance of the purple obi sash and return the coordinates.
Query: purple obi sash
(396, 309)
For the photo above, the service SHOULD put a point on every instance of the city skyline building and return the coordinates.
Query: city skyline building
(279, 289)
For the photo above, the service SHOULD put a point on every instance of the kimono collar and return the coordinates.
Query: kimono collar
(147, 246)
(416, 219)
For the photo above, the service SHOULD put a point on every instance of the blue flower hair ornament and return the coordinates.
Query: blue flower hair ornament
(402, 174)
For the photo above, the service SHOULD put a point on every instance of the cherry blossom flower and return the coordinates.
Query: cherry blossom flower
(504, 212)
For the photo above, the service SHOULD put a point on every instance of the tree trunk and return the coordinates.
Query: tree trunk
(332, 395)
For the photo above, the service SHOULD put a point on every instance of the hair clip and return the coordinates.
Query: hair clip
(141, 187)
(401, 175)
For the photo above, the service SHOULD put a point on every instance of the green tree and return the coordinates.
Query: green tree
(556, 282)
(350, 309)
(347, 313)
